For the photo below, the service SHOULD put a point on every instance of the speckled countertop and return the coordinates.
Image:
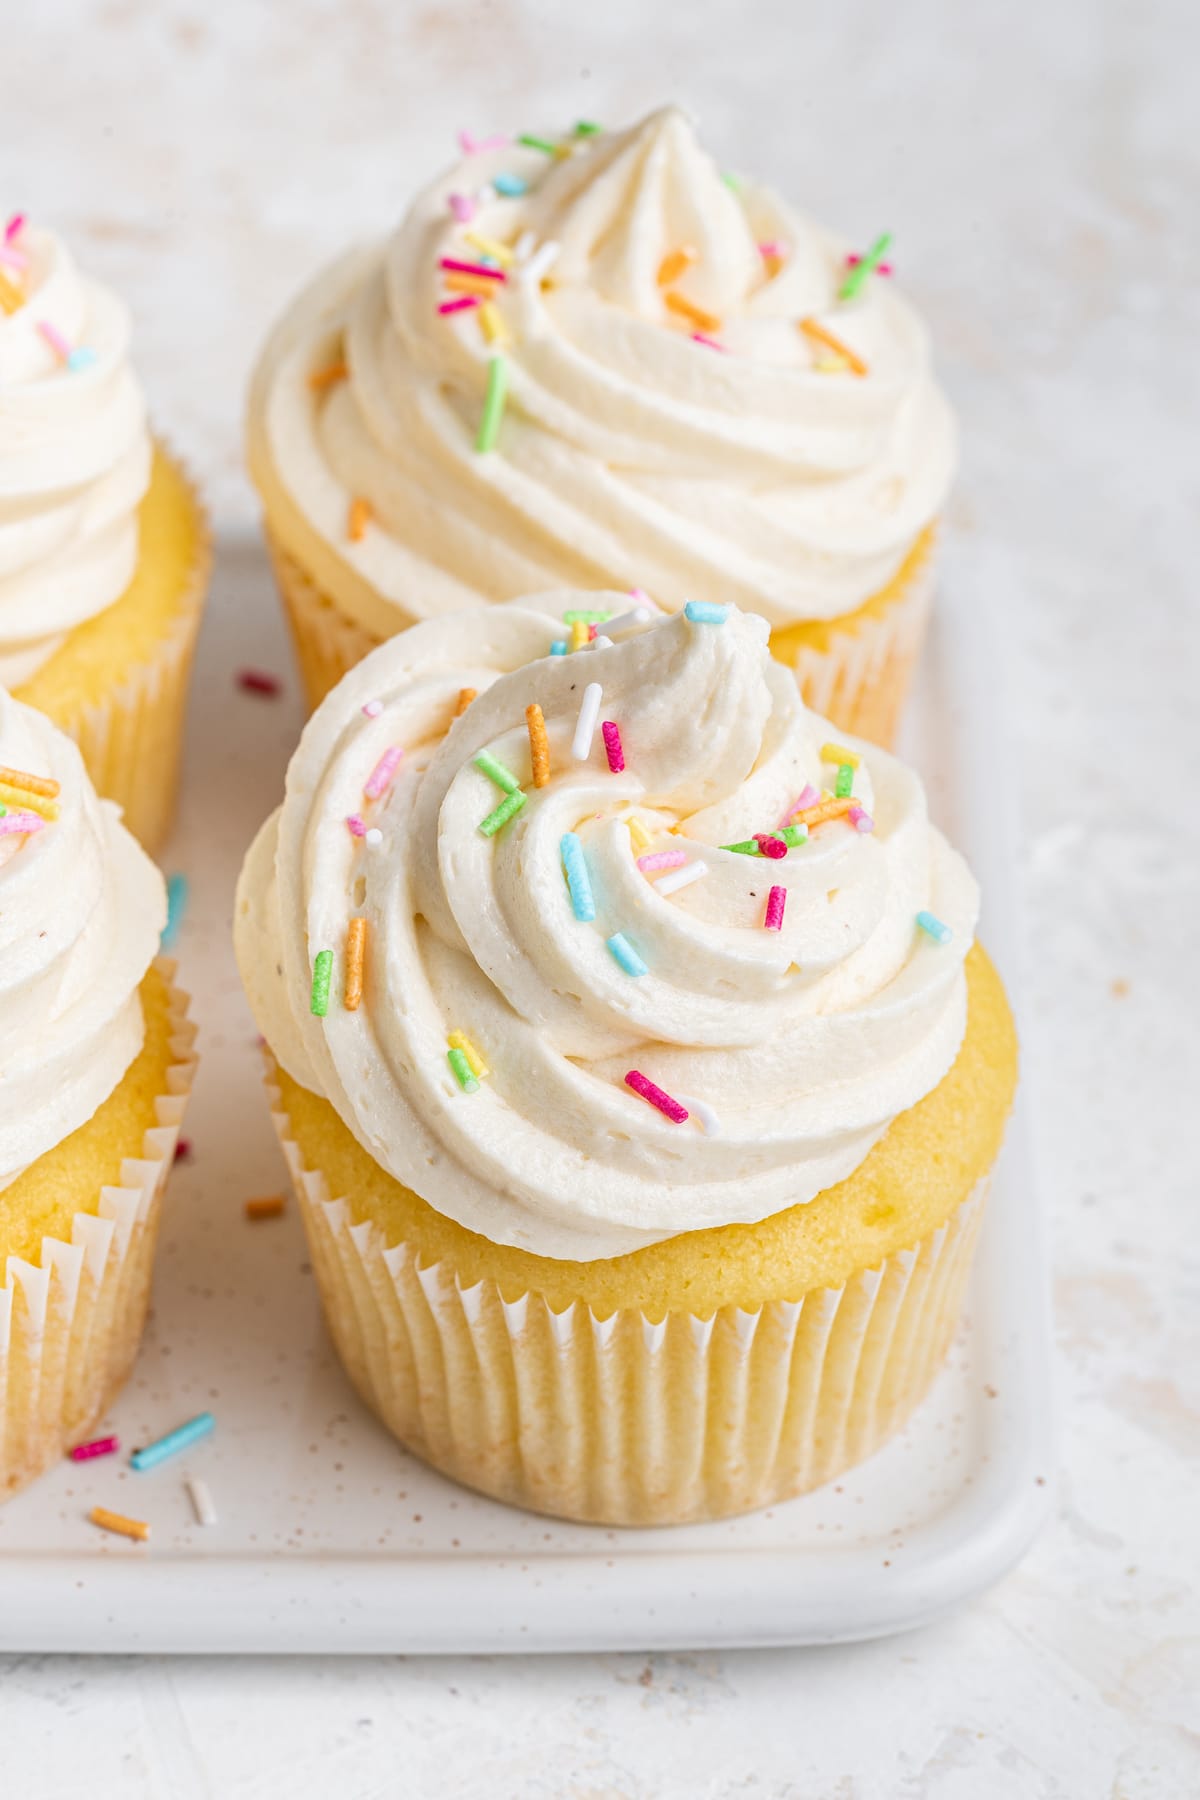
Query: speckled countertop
(1039, 167)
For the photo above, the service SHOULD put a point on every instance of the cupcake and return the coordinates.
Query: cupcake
(600, 363)
(95, 1068)
(104, 550)
(638, 1073)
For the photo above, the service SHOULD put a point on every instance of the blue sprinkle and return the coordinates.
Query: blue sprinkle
(177, 893)
(579, 882)
(82, 358)
(176, 1440)
(559, 647)
(706, 612)
(510, 185)
(625, 954)
(940, 933)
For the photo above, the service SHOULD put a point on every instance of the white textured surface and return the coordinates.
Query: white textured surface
(1039, 167)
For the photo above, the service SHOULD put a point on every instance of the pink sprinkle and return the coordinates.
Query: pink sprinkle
(698, 337)
(861, 820)
(809, 797)
(372, 709)
(54, 338)
(773, 247)
(463, 208)
(15, 259)
(641, 1084)
(459, 267)
(640, 595)
(463, 303)
(183, 1149)
(14, 227)
(473, 146)
(104, 1446)
(770, 846)
(355, 825)
(776, 901)
(381, 775)
(612, 746)
(663, 859)
(880, 268)
(16, 824)
(258, 681)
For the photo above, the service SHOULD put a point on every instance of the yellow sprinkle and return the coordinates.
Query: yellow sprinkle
(490, 247)
(492, 324)
(579, 635)
(838, 753)
(459, 1041)
(11, 297)
(27, 801)
(641, 837)
(111, 1521)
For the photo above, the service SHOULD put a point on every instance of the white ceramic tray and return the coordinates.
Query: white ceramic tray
(330, 1538)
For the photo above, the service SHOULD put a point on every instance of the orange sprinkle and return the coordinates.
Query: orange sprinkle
(772, 264)
(329, 375)
(465, 697)
(825, 809)
(356, 945)
(675, 263)
(33, 784)
(11, 297)
(539, 744)
(268, 1206)
(696, 315)
(111, 1521)
(817, 332)
(360, 518)
(457, 283)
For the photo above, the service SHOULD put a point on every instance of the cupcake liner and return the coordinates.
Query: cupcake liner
(326, 642)
(132, 738)
(627, 1420)
(71, 1323)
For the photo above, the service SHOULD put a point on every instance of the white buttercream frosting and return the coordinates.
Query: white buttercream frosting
(766, 472)
(796, 1047)
(75, 453)
(81, 911)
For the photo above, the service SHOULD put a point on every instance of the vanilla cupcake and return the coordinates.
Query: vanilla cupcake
(600, 363)
(104, 550)
(639, 1076)
(95, 1068)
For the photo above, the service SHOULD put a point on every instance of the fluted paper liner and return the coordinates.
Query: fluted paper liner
(71, 1323)
(132, 737)
(859, 682)
(628, 1420)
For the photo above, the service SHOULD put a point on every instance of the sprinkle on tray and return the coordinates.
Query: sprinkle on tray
(177, 897)
(358, 519)
(493, 405)
(676, 263)
(819, 334)
(511, 804)
(624, 953)
(539, 744)
(641, 1084)
(662, 859)
(933, 927)
(864, 268)
(329, 376)
(579, 882)
(462, 1070)
(356, 946)
(613, 747)
(101, 1446)
(681, 878)
(776, 901)
(321, 977)
(495, 771)
(695, 315)
(265, 1206)
(182, 1438)
(465, 697)
(705, 612)
(259, 681)
(458, 1040)
(112, 1521)
(585, 728)
(202, 1501)
(383, 774)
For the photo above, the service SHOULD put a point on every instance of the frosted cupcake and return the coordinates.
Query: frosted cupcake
(104, 551)
(95, 1068)
(599, 363)
(638, 1074)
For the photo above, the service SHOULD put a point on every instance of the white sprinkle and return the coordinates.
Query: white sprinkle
(374, 835)
(523, 247)
(585, 730)
(486, 194)
(600, 642)
(703, 1114)
(541, 262)
(681, 878)
(641, 615)
(202, 1501)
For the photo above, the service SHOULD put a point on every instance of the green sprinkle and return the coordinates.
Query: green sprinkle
(3, 812)
(844, 786)
(536, 143)
(496, 771)
(793, 835)
(586, 128)
(586, 618)
(462, 1071)
(322, 975)
(503, 813)
(865, 266)
(493, 405)
(747, 848)
(732, 181)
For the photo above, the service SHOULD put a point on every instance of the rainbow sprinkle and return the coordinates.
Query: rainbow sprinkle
(461, 1066)
(776, 901)
(321, 977)
(508, 807)
(579, 882)
(493, 405)
(383, 774)
(933, 927)
(496, 771)
(649, 1090)
(705, 612)
(612, 746)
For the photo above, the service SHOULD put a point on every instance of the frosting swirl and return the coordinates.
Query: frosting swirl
(81, 911)
(793, 1048)
(628, 452)
(75, 453)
